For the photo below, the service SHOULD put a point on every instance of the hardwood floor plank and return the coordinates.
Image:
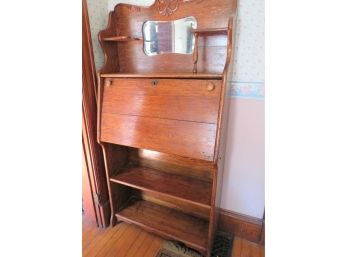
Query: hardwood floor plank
(154, 247)
(246, 249)
(104, 250)
(144, 246)
(125, 240)
(89, 235)
(135, 247)
(122, 246)
(100, 242)
(237, 247)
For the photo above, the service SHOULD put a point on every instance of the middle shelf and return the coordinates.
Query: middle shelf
(184, 188)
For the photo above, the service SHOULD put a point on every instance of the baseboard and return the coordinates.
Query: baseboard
(240, 225)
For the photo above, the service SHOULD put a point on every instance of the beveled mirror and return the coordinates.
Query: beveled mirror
(169, 36)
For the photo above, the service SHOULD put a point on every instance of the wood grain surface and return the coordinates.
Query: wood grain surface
(183, 138)
(179, 187)
(168, 223)
(190, 100)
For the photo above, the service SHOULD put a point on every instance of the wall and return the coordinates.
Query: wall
(98, 19)
(244, 186)
(244, 179)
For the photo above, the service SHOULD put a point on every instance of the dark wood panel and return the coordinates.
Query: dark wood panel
(179, 187)
(191, 139)
(240, 225)
(192, 100)
(168, 223)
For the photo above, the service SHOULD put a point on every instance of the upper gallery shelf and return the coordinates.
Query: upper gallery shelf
(122, 38)
(200, 31)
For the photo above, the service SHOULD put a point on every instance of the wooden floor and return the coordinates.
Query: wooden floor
(126, 240)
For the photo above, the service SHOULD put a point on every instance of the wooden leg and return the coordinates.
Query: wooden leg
(113, 220)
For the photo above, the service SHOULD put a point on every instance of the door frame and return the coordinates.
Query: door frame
(92, 150)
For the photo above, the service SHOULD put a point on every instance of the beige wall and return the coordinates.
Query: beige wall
(98, 14)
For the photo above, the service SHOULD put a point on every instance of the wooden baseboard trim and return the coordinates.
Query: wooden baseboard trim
(240, 225)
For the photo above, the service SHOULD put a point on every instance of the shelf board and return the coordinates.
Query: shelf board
(167, 223)
(122, 38)
(182, 188)
(210, 31)
(164, 75)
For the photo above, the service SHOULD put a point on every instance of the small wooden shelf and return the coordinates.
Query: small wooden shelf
(211, 31)
(164, 75)
(167, 223)
(171, 185)
(122, 38)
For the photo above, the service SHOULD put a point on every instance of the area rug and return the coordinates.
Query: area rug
(222, 248)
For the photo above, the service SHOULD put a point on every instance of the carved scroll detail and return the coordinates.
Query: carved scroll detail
(167, 7)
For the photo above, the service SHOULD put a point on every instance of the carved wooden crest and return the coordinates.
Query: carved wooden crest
(167, 7)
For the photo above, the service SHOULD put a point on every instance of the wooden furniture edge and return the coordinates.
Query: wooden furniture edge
(164, 75)
(241, 225)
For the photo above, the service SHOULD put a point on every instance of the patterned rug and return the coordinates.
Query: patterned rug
(222, 248)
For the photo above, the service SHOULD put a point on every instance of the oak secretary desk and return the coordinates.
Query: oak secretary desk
(162, 115)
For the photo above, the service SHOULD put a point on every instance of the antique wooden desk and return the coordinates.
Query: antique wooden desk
(162, 115)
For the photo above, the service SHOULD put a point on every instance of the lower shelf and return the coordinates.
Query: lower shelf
(168, 223)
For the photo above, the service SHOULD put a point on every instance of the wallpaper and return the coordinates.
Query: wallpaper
(98, 14)
(249, 52)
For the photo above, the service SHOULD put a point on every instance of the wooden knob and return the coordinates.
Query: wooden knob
(108, 82)
(210, 86)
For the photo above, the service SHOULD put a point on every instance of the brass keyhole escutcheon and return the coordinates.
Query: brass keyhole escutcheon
(154, 82)
(210, 86)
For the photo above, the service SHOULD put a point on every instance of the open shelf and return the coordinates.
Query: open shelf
(167, 223)
(122, 38)
(180, 187)
(164, 75)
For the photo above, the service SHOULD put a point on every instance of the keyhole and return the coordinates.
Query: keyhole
(154, 82)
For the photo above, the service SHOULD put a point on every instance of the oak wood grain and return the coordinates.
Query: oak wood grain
(167, 223)
(163, 75)
(182, 132)
(171, 163)
(184, 138)
(122, 38)
(175, 186)
(199, 211)
(190, 100)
